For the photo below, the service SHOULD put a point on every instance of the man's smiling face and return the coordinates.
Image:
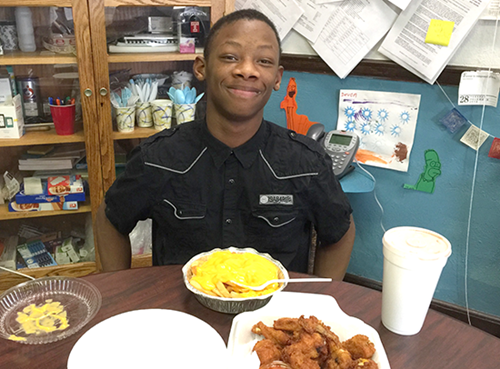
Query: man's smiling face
(242, 70)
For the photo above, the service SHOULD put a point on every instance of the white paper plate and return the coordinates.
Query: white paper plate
(293, 305)
(150, 338)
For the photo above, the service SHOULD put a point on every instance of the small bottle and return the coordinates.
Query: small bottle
(25, 32)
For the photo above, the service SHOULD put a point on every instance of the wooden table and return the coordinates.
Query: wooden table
(442, 343)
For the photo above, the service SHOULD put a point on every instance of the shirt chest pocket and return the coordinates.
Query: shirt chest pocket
(274, 218)
(183, 218)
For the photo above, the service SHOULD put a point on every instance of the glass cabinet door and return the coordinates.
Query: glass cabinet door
(45, 68)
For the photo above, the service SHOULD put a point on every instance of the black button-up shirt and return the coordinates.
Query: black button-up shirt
(201, 194)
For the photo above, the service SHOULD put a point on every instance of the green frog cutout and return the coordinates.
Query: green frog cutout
(427, 180)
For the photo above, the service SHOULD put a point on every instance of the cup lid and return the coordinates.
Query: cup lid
(416, 243)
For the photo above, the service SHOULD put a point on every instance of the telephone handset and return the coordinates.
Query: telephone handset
(340, 145)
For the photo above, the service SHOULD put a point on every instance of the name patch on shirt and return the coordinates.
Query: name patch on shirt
(275, 199)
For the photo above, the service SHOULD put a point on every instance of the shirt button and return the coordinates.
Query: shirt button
(229, 221)
(276, 219)
(231, 181)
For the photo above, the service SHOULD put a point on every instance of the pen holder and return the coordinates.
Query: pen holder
(64, 119)
(184, 112)
(144, 117)
(162, 114)
(125, 118)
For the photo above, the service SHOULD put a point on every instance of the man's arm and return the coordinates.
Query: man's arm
(332, 260)
(114, 248)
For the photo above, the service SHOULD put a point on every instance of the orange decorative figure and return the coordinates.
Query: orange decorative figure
(296, 122)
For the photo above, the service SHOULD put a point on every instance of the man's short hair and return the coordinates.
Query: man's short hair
(248, 14)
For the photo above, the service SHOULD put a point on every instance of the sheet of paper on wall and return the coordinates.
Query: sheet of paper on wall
(353, 29)
(319, 2)
(492, 11)
(474, 137)
(284, 14)
(478, 88)
(401, 4)
(313, 20)
(385, 123)
(405, 42)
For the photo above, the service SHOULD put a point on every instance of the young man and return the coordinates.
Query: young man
(232, 179)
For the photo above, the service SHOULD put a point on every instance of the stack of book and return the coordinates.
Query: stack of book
(63, 157)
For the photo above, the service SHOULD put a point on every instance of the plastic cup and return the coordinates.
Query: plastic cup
(162, 114)
(184, 112)
(64, 119)
(125, 118)
(413, 261)
(144, 117)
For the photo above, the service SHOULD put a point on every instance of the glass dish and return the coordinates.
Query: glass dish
(80, 299)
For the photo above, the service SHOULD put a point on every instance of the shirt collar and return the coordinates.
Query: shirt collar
(245, 153)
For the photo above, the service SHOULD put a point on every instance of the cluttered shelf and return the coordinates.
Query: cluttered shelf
(36, 57)
(43, 137)
(5, 214)
(69, 270)
(150, 57)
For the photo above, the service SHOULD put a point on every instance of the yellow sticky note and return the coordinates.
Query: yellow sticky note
(439, 32)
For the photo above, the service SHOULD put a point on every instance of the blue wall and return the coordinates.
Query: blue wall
(446, 211)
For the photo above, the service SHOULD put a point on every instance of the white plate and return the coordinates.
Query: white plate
(150, 338)
(293, 305)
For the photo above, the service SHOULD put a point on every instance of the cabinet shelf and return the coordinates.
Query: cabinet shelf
(42, 138)
(5, 214)
(150, 57)
(68, 270)
(138, 132)
(36, 57)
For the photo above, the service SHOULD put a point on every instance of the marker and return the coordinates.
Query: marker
(51, 101)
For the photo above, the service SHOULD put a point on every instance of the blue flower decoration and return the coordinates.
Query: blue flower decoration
(379, 129)
(383, 115)
(350, 125)
(405, 117)
(349, 112)
(366, 113)
(395, 130)
(366, 128)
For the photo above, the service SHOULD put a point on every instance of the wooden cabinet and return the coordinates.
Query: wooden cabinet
(96, 129)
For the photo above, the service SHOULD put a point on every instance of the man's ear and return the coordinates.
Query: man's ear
(279, 76)
(199, 68)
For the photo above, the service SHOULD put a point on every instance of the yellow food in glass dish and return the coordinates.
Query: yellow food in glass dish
(214, 274)
(45, 318)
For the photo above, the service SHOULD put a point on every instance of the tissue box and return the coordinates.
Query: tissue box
(11, 119)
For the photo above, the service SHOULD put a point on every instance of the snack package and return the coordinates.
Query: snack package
(22, 198)
(44, 206)
(63, 185)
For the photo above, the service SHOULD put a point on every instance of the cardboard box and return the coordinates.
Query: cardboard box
(11, 119)
(5, 91)
(22, 198)
(63, 185)
(44, 206)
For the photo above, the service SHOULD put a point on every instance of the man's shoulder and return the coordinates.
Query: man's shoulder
(293, 140)
(174, 137)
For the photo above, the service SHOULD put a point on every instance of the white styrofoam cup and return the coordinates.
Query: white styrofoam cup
(413, 261)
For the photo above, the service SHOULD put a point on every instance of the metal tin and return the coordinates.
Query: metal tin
(29, 87)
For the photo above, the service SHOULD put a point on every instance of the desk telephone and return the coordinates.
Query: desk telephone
(340, 145)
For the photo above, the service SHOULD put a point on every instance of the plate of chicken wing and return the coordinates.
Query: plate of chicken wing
(304, 331)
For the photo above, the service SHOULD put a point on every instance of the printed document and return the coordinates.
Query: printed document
(313, 20)
(405, 44)
(352, 30)
(284, 14)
